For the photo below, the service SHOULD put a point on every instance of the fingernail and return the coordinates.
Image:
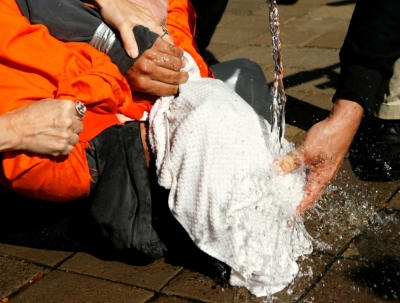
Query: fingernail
(132, 53)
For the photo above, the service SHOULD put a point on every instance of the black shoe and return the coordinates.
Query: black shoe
(377, 158)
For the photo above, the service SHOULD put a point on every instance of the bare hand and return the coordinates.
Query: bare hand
(323, 149)
(46, 127)
(124, 15)
(157, 71)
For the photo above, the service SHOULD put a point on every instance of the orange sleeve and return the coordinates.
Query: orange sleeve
(35, 66)
(181, 23)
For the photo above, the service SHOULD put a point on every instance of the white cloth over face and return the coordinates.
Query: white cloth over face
(212, 151)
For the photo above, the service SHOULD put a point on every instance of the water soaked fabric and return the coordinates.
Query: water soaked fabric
(213, 151)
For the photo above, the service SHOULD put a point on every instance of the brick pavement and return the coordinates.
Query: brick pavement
(356, 259)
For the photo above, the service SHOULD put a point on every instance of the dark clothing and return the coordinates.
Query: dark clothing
(371, 47)
(208, 13)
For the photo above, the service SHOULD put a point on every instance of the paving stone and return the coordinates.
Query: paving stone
(15, 274)
(311, 269)
(227, 18)
(253, 22)
(291, 13)
(242, 8)
(42, 256)
(220, 49)
(234, 37)
(193, 285)
(331, 39)
(169, 299)
(304, 30)
(345, 210)
(62, 287)
(294, 134)
(382, 243)
(259, 54)
(317, 81)
(394, 202)
(352, 281)
(303, 114)
(153, 276)
(323, 101)
(263, 39)
(312, 59)
(332, 11)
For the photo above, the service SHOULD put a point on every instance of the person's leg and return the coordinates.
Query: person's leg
(377, 157)
(209, 14)
(247, 79)
(390, 94)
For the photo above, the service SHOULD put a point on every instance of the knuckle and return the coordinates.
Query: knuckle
(176, 64)
(67, 122)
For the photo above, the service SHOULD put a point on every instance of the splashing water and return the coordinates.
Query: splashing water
(278, 91)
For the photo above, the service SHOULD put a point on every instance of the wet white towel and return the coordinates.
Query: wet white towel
(212, 151)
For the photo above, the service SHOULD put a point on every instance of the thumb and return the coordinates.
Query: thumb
(129, 41)
(288, 163)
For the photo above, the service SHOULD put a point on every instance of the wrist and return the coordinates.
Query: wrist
(10, 139)
(348, 112)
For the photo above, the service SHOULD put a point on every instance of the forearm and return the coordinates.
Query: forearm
(345, 117)
(8, 139)
(72, 21)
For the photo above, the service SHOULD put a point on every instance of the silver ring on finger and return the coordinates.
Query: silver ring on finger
(80, 109)
(165, 30)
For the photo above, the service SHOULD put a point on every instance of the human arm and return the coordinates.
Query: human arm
(45, 127)
(371, 47)
(323, 149)
(75, 21)
(123, 15)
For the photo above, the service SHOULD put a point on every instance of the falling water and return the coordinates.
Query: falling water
(278, 92)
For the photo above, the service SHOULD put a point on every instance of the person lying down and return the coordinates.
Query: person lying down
(213, 152)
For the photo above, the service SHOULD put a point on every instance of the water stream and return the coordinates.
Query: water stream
(277, 90)
(343, 211)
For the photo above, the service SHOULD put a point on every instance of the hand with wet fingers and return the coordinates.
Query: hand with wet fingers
(323, 150)
(158, 70)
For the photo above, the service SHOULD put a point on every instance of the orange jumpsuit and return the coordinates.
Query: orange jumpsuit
(35, 66)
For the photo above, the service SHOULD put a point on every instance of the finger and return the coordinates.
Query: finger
(288, 163)
(169, 62)
(162, 89)
(66, 151)
(129, 41)
(168, 76)
(155, 77)
(312, 191)
(76, 127)
(73, 139)
(168, 47)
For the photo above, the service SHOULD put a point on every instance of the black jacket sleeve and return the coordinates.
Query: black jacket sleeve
(371, 47)
(73, 21)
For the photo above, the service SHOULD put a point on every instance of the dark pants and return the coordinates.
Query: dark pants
(209, 13)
